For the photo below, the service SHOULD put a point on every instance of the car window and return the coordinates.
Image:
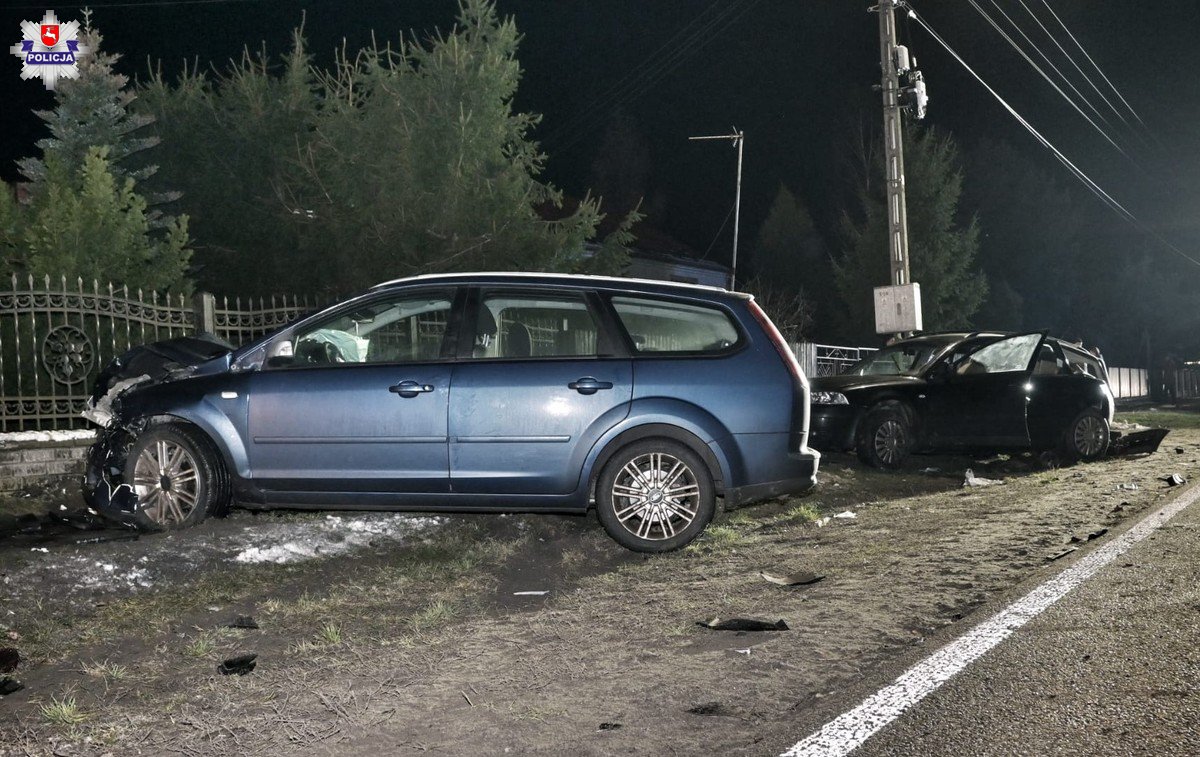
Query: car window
(1004, 356)
(401, 329)
(1049, 363)
(897, 360)
(534, 325)
(665, 326)
(1082, 363)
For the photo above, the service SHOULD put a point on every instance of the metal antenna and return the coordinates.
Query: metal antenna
(738, 139)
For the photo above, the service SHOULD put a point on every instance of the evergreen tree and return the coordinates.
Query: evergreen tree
(942, 248)
(401, 160)
(93, 110)
(89, 223)
(791, 260)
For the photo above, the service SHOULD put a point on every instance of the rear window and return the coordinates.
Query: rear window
(1082, 363)
(661, 326)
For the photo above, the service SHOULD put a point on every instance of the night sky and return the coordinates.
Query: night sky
(796, 75)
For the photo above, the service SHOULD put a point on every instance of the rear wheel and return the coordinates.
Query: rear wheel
(1086, 438)
(176, 478)
(885, 437)
(655, 496)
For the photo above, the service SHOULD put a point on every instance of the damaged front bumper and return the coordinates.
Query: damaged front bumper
(104, 487)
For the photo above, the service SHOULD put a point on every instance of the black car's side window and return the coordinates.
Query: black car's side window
(400, 329)
(1005, 356)
(522, 325)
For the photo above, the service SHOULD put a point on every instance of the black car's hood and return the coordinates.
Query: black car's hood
(852, 382)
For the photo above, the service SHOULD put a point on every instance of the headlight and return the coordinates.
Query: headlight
(829, 398)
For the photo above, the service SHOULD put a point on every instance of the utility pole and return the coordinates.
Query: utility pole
(893, 144)
(738, 140)
(898, 305)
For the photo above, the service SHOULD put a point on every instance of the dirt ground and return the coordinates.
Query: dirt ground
(386, 633)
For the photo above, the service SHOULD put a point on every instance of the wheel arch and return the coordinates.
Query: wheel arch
(717, 467)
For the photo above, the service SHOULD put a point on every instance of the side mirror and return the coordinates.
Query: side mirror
(940, 373)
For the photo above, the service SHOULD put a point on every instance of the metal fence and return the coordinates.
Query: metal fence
(56, 337)
(828, 359)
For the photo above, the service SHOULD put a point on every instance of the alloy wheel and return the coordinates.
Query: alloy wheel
(167, 482)
(891, 441)
(1089, 436)
(656, 496)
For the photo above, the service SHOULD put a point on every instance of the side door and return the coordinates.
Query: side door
(981, 399)
(360, 405)
(539, 379)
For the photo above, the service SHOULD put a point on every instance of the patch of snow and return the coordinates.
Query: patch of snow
(65, 435)
(334, 535)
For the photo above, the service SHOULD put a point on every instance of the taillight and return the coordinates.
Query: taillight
(780, 344)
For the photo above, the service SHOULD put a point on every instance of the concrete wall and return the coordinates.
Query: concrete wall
(28, 463)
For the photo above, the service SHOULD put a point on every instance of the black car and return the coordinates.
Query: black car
(966, 392)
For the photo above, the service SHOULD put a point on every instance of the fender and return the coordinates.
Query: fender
(194, 406)
(662, 416)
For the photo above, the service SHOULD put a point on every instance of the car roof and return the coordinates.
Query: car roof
(569, 279)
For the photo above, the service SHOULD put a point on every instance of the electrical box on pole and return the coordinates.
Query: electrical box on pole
(898, 309)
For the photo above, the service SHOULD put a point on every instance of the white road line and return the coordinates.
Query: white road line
(850, 730)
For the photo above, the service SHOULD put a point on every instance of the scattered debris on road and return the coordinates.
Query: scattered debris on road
(970, 479)
(743, 624)
(1175, 480)
(794, 579)
(541, 593)
(846, 515)
(1083, 536)
(240, 665)
(1058, 555)
(609, 726)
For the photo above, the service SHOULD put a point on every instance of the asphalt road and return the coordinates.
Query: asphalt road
(1111, 669)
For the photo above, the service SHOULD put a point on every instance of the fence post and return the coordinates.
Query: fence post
(204, 307)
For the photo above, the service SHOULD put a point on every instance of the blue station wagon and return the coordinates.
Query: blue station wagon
(460, 392)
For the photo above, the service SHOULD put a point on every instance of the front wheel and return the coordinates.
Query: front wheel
(175, 477)
(1086, 438)
(655, 496)
(885, 437)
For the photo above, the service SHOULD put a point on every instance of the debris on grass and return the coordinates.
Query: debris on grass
(243, 621)
(1060, 554)
(1175, 480)
(540, 593)
(9, 686)
(930, 471)
(608, 726)
(743, 624)
(9, 659)
(846, 515)
(972, 480)
(822, 522)
(240, 665)
(794, 579)
(1128, 487)
(708, 708)
(1137, 443)
(43, 550)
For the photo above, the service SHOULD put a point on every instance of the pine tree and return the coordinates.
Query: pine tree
(89, 223)
(93, 111)
(942, 248)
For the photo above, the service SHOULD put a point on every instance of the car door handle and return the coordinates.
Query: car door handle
(589, 385)
(410, 388)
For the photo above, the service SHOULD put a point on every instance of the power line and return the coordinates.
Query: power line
(1045, 76)
(1092, 186)
(1093, 62)
(1049, 62)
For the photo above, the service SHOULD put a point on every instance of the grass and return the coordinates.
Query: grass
(63, 712)
(436, 613)
(802, 513)
(330, 634)
(1173, 419)
(108, 671)
(201, 646)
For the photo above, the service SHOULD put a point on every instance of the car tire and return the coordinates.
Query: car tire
(177, 477)
(1086, 438)
(884, 438)
(634, 501)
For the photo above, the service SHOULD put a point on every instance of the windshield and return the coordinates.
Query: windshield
(897, 360)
